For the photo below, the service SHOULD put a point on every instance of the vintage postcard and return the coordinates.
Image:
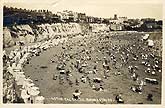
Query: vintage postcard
(99, 52)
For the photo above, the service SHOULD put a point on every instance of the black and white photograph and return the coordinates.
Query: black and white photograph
(82, 52)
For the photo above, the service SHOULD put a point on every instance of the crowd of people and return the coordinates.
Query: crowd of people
(79, 57)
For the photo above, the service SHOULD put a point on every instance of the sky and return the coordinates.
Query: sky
(98, 8)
